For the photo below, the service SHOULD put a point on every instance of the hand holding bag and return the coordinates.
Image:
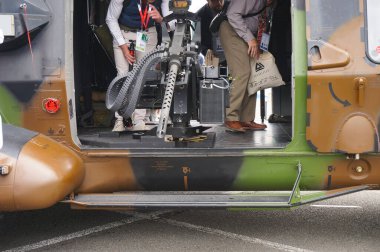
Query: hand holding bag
(264, 74)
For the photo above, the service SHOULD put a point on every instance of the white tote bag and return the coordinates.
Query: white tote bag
(264, 74)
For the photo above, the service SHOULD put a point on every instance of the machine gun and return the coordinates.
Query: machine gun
(179, 74)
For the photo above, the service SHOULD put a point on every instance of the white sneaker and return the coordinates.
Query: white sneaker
(194, 123)
(139, 126)
(119, 126)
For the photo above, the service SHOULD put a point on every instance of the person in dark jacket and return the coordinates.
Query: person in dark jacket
(207, 13)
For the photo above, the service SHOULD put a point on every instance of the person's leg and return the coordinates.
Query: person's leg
(248, 109)
(236, 52)
(122, 67)
(140, 114)
(248, 113)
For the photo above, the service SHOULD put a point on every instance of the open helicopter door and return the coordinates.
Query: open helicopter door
(23, 54)
(343, 102)
(32, 65)
(20, 24)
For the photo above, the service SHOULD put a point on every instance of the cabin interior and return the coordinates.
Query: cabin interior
(94, 69)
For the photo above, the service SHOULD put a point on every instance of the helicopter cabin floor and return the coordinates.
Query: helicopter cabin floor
(277, 135)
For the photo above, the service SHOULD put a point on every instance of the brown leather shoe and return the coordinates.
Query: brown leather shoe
(253, 126)
(234, 126)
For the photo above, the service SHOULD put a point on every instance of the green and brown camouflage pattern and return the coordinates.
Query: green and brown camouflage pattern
(324, 129)
(343, 84)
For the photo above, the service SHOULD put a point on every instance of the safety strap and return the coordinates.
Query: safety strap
(227, 3)
(255, 13)
(25, 17)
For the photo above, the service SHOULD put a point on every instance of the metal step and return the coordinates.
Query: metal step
(210, 199)
(230, 199)
(180, 199)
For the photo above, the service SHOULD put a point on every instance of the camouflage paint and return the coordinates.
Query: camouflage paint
(277, 169)
(197, 173)
(108, 171)
(28, 80)
(42, 171)
(35, 118)
(344, 86)
(10, 108)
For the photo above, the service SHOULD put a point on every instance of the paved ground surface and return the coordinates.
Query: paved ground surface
(349, 223)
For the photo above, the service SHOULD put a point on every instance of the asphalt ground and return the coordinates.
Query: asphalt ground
(348, 223)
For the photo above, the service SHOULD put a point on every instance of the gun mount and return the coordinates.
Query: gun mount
(170, 78)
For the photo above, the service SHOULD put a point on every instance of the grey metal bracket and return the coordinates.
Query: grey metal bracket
(295, 196)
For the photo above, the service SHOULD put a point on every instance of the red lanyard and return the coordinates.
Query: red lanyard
(24, 6)
(144, 16)
(262, 26)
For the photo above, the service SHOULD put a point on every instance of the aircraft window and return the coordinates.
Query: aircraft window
(373, 30)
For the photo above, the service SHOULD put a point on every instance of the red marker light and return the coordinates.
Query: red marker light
(378, 49)
(51, 105)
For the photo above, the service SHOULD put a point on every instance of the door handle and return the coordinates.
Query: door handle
(361, 82)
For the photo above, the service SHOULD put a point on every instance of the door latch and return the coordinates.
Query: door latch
(361, 83)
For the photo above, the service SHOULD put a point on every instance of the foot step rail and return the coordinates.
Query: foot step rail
(208, 199)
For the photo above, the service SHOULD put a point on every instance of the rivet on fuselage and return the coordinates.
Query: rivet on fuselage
(359, 169)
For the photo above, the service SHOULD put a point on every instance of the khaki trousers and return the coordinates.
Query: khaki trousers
(242, 106)
(122, 64)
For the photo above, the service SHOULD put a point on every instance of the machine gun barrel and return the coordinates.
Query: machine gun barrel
(168, 97)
